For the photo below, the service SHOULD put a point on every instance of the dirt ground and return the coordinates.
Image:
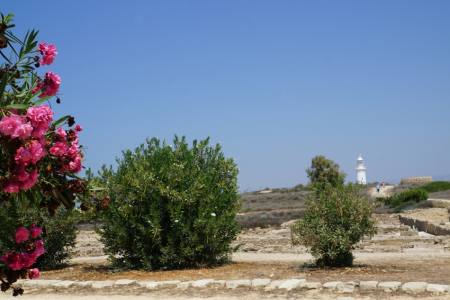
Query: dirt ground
(436, 215)
(417, 266)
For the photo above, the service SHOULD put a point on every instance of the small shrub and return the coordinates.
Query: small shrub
(336, 218)
(404, 206)
(416, 195)
(436, 186)
(171, 207)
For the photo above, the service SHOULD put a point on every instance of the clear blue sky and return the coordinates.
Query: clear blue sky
(276, 82)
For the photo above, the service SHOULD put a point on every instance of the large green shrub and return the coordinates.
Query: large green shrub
(336, 218)
(171, 207)
(58, 233)
(436, 186)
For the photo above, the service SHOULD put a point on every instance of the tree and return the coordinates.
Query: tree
(171, 206)
(336, 218)
(324, 170)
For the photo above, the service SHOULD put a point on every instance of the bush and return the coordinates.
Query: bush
(404, 206)
(323, 170)
(416, 195)
(436, 186)
(58, 233)
(335, 219)
(171, 207)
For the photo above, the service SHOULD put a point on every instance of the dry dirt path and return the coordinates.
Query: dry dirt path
(384, 191)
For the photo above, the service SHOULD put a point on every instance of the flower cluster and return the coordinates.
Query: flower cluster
(48, 52)
(67, 149)
(27, 133)
(19, 263)
(50, 83)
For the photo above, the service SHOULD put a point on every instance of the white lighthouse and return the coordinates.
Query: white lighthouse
(360, 171)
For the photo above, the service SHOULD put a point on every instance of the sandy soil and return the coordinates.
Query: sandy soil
(436, 215)
(411, 266)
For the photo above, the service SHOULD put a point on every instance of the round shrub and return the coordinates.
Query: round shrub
(415, 195)
(336, 218)
(171, 206)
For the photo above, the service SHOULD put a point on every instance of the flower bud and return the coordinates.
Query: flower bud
(3, 42)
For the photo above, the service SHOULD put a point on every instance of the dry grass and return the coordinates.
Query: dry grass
(273, 201)
(270, 218)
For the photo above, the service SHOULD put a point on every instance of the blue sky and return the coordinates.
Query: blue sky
(276, 82)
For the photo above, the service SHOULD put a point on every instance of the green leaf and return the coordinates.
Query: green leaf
(61, 120)
(97, 188)
(3, 85)
(18, 106)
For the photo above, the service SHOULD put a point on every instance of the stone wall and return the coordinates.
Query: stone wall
(423, 225)
(417, 180)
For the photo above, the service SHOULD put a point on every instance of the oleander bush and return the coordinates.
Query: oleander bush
(171, 206)
(336, 218)
(58, 233)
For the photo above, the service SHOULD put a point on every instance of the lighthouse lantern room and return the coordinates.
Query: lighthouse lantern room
(360, 171)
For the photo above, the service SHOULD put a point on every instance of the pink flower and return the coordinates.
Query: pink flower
(59, 149)
(36, 151)
(33, 273)
(35, 231)
(15, 126)
(11, 187)
(26, 260)
(31, 180)
(21, 235)
(40, 114)
(62, 133)
(12, 260)
(78, 128)
(51, 84)
(48, 53)
(39, 250)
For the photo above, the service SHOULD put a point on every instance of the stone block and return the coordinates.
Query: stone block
(438, 288)
(202, 283)
(184, 285)
(390, 286)
(310, 285)
(414, 287)
(124, 282)
(331, 286)
(232, 284)
(39, 283)
(291, 284)
(19, 283)
(260, 282)
(83, 284)
(63, 284)
(102, 284)
(160, 284)
(273, 285)
(368, 285)
(218, 283)
(347, 287)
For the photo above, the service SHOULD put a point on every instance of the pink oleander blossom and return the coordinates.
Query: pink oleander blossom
(11, 187)
(59, 149)
(40, 114)
(26, 260)
(50, 83)
(31, 180)
(62, 133)
(33, 273)
(39, 250)
(78, 128)
(32, 153)
(12, 260)
(48, 52)
(15, 126)
(21, 235)
(35, 231)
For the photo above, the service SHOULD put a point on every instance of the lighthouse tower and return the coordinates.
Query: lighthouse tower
(360, 171)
